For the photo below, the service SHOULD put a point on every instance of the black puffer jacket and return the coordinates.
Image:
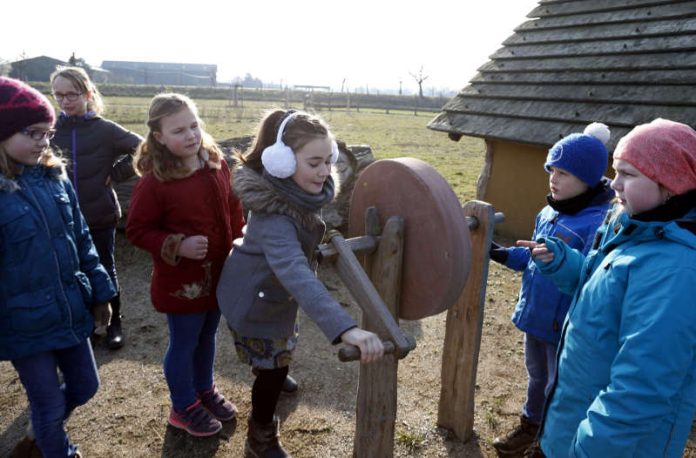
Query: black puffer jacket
(101, 149)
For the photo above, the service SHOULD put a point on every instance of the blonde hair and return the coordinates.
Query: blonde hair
(81, 81)
(302, 129)
(154, 158)
(10, 168)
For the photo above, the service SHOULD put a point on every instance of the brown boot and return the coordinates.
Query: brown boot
(26, 448)
(263, 440)
(518, 440)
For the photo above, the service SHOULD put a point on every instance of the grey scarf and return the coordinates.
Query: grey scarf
(289, 190)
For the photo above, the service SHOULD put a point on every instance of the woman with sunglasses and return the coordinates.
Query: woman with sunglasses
(99, 152)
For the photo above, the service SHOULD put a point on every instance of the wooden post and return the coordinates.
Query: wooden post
(376, 403)
(463, 331)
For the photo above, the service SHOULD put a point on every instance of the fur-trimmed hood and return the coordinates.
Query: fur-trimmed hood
(259, 196)
(8, 184)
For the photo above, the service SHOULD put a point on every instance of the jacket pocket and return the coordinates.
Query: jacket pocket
(272, 304)
(18, 232)
(34, 313)
(16, 223)
(65, 209)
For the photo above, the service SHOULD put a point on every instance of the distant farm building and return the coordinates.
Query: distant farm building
(35, 69)
(621, 62)
(172, 74)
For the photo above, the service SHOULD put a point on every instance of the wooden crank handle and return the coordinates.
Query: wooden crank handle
(352, 353)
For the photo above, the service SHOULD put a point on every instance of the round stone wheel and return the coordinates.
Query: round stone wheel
(437, 246)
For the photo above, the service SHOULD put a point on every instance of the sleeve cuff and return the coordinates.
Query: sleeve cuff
(170, 248)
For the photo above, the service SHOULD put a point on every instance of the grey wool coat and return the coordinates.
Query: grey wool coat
(269, 272)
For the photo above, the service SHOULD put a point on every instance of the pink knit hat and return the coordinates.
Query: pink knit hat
(664, 151)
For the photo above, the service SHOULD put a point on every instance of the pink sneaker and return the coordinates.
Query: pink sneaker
(195, 420)
(221, 408)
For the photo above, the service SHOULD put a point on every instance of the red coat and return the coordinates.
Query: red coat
(162, 214)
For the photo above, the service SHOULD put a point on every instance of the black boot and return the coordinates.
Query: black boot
(263, 440)
(114, 333)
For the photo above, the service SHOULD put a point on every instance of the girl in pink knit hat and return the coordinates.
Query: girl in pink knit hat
(626, 379)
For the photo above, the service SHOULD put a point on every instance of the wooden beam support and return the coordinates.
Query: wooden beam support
(463, 330)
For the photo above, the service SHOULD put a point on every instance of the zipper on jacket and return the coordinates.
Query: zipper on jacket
(74, 160)
(47, 228)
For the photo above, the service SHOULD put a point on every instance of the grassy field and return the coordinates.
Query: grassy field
(397, 134)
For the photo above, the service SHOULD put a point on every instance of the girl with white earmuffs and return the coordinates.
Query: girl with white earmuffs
(283, 181)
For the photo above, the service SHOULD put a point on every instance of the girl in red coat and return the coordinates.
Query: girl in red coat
(184, 213)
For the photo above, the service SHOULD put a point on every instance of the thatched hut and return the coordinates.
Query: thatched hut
(621, 62)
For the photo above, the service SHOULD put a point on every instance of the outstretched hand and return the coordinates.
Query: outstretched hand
(369, 343)
(194, 247)
(539, 251)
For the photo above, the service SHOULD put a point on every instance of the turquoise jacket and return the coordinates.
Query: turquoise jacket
(626, 378)
(50, 274)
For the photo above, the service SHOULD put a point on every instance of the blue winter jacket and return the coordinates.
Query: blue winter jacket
(541, 308)
(626, 379)
(49, 269)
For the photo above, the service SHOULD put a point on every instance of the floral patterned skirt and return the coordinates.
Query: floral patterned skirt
(265, 353)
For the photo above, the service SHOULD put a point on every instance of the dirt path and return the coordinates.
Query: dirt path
(128, 415)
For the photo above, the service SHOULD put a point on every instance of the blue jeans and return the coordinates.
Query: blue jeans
(188, 362)
(52, 402)
(540, 359)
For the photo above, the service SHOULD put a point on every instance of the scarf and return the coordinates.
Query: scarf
(290, 191)
(575, 204)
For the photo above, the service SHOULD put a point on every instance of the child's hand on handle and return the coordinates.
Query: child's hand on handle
(370, 345)
(539, 251)
(194, 247)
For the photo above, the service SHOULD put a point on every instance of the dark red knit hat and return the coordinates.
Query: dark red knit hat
(21, 106)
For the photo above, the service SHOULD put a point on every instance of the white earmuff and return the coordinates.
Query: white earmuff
(334, 152)
(279, 159)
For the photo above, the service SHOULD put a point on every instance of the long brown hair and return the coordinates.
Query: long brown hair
(300, 130)
(154, 157)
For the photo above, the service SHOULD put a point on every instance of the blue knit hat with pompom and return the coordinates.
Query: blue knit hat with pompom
(584, 155)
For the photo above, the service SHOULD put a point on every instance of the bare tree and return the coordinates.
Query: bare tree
(420, 77)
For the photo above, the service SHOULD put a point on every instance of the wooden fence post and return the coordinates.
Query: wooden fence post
(463, 331)
(377, 385)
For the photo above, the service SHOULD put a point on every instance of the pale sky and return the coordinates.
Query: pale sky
(364, 42)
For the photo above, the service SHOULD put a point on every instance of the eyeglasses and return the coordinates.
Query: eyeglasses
(38, 134)
(71, 96)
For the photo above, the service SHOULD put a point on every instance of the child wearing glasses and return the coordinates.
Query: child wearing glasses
(51, 275)
(99, 152)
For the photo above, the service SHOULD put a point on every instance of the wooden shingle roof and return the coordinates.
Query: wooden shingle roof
(621, 62)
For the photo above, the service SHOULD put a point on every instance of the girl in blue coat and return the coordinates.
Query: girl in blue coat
(626, 379)
(578, 201)
(50, 276)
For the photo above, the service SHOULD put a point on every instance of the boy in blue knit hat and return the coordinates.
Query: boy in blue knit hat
(578, 201)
